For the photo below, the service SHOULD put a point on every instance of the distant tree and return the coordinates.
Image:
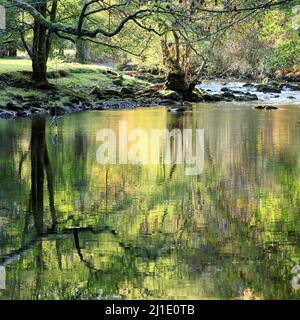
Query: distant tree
(9, 37)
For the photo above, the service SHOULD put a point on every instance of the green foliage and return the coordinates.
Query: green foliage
(286, 56)
(272, 42)
(258, 47)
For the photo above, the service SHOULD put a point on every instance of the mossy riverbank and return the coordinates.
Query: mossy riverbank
(75, 87)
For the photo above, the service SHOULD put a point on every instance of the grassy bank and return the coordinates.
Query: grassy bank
(75, 74)
(72, 85)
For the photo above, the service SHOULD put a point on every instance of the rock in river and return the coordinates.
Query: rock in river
(266, 108)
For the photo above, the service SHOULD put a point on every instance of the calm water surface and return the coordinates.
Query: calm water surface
(73, 229)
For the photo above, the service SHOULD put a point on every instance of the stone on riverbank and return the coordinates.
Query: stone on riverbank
(169, 95)
(104, 93)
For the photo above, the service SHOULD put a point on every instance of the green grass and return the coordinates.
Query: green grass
(77, 79)
(17, 65)
(78, 75)
(14, 65)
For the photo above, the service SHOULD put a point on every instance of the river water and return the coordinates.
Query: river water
(71, 228)
(286, 97)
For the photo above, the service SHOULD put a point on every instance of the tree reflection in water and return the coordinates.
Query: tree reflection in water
(88, 231)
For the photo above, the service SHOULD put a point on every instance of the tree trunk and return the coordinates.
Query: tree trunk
(12, 50)
(82, 51)
(39, 48)
(3, 51)
(61, 52)
(182, 74)
(177, 81)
